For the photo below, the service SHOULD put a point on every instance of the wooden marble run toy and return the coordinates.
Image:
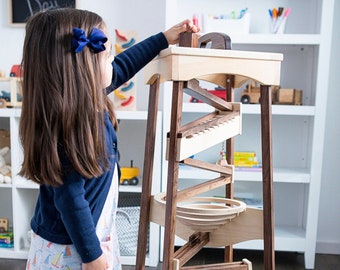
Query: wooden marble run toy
(207, 221)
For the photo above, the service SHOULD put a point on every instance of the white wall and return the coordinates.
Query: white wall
(11, 40)
(148, 17)
(135, 18)
(328, 239)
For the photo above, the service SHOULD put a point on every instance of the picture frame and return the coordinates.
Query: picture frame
(21, 10)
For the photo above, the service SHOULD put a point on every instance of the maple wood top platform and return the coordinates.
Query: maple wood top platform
(184, 63)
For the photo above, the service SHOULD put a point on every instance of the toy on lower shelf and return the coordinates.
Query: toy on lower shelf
(129, 175)
(6, 235)
(284, 96)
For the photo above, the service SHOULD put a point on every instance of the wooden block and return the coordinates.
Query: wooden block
(289, 96)
(285, 95)
(4, 224)
(298, 97)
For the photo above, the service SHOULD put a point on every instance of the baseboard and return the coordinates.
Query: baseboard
(328, 247)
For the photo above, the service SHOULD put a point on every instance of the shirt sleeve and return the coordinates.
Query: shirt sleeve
(129, 62)
(76, 215)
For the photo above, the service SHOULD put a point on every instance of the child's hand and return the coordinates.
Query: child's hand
(98, 264)
(172, 34)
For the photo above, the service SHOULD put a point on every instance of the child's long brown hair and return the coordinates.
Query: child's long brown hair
(63, 101)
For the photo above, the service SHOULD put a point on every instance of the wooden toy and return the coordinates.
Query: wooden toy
(252, 93)
(185, 66)
(288, 96)
(129, 175)
(16, 71)
(15, 90)
(4, 225)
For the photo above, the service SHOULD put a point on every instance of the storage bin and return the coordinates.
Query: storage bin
(127, 223)
(227, 26)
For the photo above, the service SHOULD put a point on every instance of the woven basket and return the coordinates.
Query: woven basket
(127, 229)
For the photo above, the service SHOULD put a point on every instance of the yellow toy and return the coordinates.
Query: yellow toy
(129, 175)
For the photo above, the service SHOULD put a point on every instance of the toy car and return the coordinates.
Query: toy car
(251, 95)
(129, 175)
(287, 96)
(16, 71)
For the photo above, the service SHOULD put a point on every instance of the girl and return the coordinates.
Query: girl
(67, 130)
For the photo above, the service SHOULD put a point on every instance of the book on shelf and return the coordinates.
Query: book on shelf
(251, 202)
(244, 154)
(6, 239)
(245, 159)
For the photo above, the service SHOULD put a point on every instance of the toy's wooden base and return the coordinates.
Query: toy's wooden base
(244, 265)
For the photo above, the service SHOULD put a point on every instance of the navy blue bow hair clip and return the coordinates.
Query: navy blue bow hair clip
(95, 40)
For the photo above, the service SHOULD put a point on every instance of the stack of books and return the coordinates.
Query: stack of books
(6, 239)
(246, 160)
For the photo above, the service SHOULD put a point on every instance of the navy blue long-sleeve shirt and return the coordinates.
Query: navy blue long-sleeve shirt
(69, 214)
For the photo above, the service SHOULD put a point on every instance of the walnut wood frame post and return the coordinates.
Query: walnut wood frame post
(147, 173)
(172, 184)
(267, 177)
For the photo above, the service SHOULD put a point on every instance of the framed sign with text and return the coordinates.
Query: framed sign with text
(21, 10)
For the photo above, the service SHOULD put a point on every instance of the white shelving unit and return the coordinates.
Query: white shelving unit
(18, 199)
(298, 131)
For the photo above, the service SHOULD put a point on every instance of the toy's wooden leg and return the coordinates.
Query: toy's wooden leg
(147, 174)
(172, 184)
(267, 175)
(229, 189)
